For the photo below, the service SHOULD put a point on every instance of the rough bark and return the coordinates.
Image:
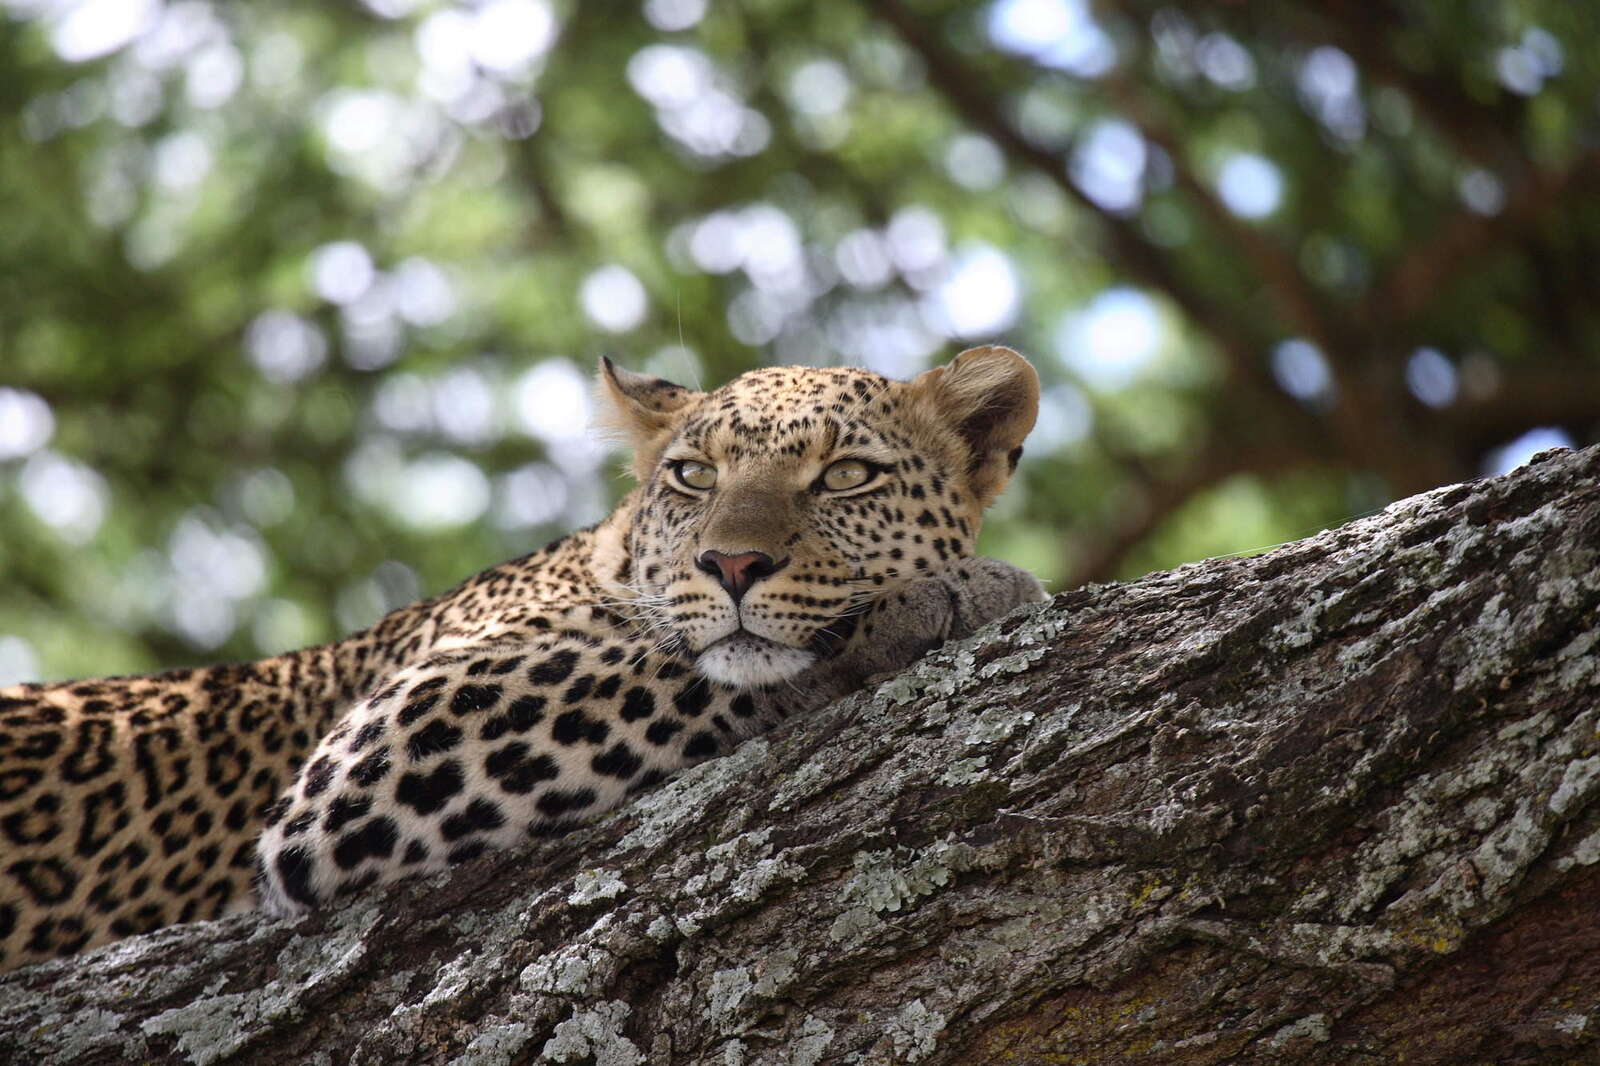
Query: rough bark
(1339, 804)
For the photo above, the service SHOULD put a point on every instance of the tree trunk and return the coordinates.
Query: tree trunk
(1339, 803)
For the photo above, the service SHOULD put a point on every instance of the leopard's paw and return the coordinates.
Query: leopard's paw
(982, 590)
(947, 604)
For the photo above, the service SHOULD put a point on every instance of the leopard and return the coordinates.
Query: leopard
(792, 537)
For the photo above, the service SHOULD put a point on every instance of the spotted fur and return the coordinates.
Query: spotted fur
(541, 692)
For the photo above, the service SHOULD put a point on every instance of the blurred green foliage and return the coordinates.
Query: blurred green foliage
(297, 301)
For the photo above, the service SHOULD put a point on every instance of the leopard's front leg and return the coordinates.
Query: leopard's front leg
(483, 747)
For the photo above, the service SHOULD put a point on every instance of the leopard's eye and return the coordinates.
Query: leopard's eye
(695, 475)
(846, 474)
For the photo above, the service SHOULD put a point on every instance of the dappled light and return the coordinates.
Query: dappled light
(1517, 452)
(1302, 371)
(302, 303)
(1113, 339)
(1250, 185)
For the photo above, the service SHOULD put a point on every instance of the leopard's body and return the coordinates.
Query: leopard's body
(793, 533)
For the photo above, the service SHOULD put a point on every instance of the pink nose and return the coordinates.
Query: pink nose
(737, 573)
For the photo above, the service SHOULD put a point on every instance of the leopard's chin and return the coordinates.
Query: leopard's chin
(744, 660)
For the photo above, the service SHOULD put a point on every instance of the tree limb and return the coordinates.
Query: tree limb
(1127, 248)
(1366, 427)
(1460, 241)
(1552, 392)
(1366, 30)
(1335, 804)
(1298, 303)
(1159, 497)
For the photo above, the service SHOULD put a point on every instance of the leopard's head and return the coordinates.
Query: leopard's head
(772, 510)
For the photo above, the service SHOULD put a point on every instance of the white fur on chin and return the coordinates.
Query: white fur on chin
(750, 662)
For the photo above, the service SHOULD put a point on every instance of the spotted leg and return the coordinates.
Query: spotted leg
(483, 747)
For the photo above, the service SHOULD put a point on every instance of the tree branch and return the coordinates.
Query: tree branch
(1298, 304)
(1366, 427)
(1550, 393)
(1128, 249)
(1364, 30)
(1459, 243)
(1336, 804)
(1161, 497)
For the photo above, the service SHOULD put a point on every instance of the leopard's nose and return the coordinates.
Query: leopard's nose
(737, 573)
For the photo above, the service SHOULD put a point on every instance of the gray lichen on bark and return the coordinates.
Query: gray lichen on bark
(1339, 803)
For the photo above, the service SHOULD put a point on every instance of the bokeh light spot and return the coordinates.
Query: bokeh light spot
(1302, 371)
(1055, 33)
(670, 16)
(1065, 418)
(440, 491)
(1482, 192)
(613, 299)
(1225, 62)
(552, 401)
(1250, 185)
(89, 29)
(342, 271)
(18, 661)
(916, 242)
(819, 87)
(531, 495)
(1508, 457)
(1432, 377)
(980, 296)
(284, 346)
(26, 423)
(507, 35)
(863, 259)
(66, 495)
(464, 406)
(974, 162)
(1111, 341)
(423, 294)
(1109, 165)
(212, 75)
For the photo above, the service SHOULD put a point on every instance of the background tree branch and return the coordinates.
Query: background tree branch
(1339, 804)
(1428, 267)
(306, 339)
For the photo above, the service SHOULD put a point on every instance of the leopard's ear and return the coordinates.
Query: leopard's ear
(990, 398)
(641, 411)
